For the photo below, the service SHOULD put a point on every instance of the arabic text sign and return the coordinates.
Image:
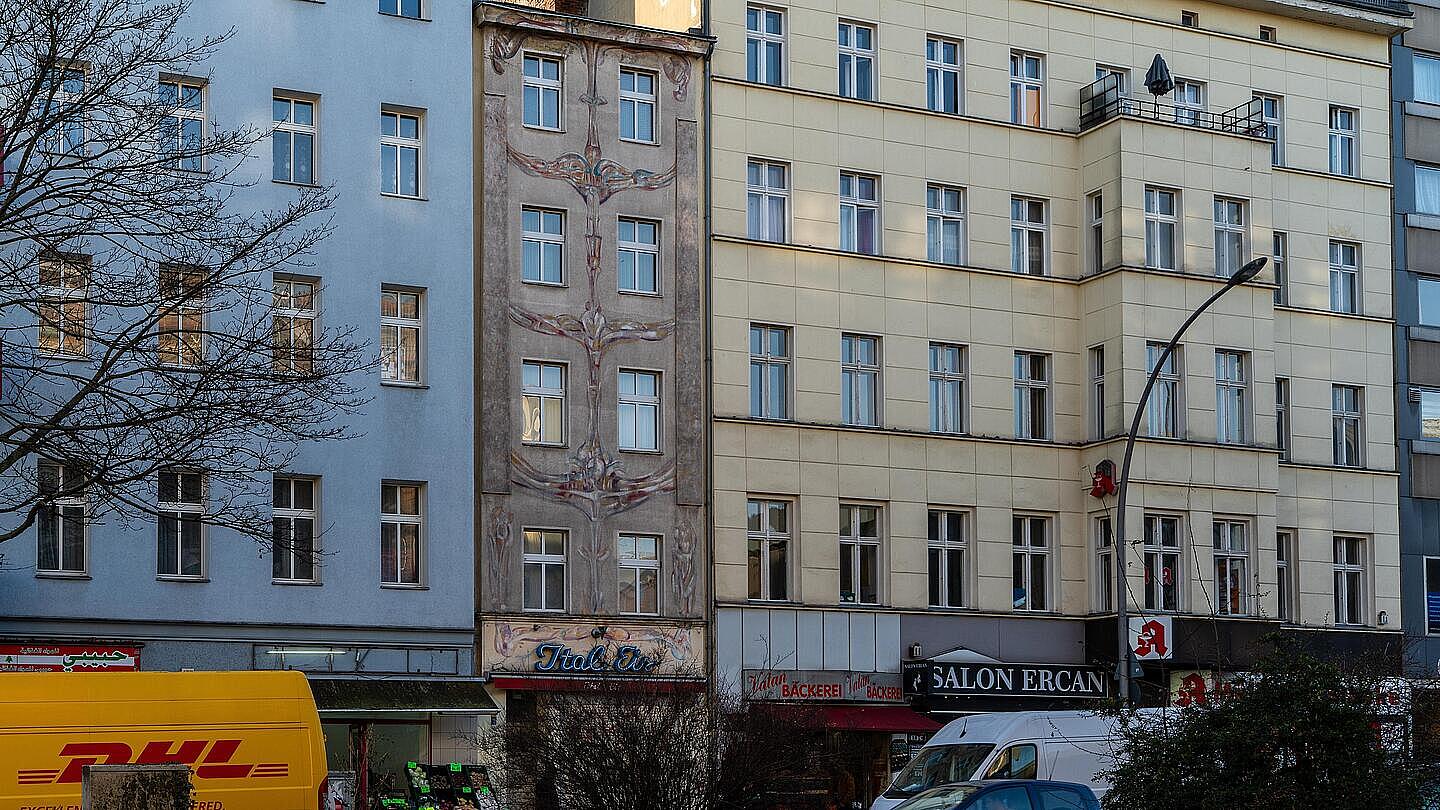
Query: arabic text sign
(68, 658)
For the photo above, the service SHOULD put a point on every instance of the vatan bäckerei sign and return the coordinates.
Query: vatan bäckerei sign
(1006, 680)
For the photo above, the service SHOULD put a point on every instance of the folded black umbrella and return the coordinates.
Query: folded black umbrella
(1158, 78)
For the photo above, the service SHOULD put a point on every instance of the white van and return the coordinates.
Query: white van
(1066, 746)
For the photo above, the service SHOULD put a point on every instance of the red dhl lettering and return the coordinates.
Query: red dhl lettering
(209, 759)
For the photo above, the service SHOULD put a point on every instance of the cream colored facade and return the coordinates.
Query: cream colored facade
(1327, 54)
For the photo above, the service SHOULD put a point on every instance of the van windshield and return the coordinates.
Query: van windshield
(939, 765)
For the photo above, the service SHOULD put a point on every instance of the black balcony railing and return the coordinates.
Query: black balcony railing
(1103, 99)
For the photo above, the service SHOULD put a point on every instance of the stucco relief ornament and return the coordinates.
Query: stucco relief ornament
(500, 535)
(683, 575)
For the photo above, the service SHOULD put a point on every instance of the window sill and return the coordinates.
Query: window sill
(861, 605)
(558, 285)
(638, 142)
(419, 386)
(548, 611)
(554, 130)
(654, 615)
(403, 17)
(410, 197)
(296, 183)
(656, 452)
(70, 358)
(302, 583)
(641, 293)
(178, 578)
(547, 445)
(401, 586)
(73, 575)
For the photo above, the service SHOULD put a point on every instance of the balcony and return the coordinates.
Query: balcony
(1103, 100)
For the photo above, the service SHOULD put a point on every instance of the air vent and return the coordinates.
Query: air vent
(1414, 394)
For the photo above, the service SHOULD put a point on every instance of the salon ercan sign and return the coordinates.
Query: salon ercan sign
(1006, 680)
(806, 686)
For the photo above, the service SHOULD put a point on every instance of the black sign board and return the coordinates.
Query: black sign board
(1006, 680)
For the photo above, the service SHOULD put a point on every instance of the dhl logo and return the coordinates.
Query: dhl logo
(209, 759)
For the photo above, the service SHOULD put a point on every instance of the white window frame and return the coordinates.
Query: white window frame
(1227, 557)
(1103, 71)
(547, 562)
(1189, 102)
(1344, 277)
(1231, 233)
(637, 251)
(1434, 65)
(941, 216)
(295, 130)
(291, 559)
(632, 406)
(541, 395)
(851, 71)
(1022, 544)
(397, 325)
(854, 545)
(937, 70)
(1165, 412)
(1024, 226)
(1096, 356)
(542, 239)
(1026, 385)
(758, 41)
(941, 549)
(634, 102)
(543, 88)
(1104, 538)
(763, 538)
(1345, 415)
(1286, 576)
(1023, 84)
(1232, 392)
(1156, 221)
(857, 372)
(1274, 124)
(295, 315)
(948, 383)
(1344, 141)
(855, 204)
(400, 144)
(1429, 404)
(180, 114)
(1280, 258)
(764, 360)
(62, 506)
(1344, 567)
(63, 308)
(181, 342)
(1095, 233)
(759, 197)
(398, 519)
(64, 110)
(400, 9)
(180, 511)
(1282, 418)
(633, 568)
(1158, 557)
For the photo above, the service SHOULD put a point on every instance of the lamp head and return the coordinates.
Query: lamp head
(1251, 269)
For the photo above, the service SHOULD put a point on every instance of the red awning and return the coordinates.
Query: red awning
(895, 719)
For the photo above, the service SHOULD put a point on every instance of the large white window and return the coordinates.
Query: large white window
(402, 523)
(1097, 392)
(765, 45)
(1162, 223)
(769, 372)
(542, 246)
(1104, 564)
(639, 256)
(1027, 88)
(639, 557)
(1231, 550)
(857, 61)
(62, 308)
(859, 213)
(859, 554)
(292, 143)
(1272, 117)
(1032, 395)
(1231, 230)
(1030, 562)
(1189, 101)
(182, 130)
(1282, 417)
(543, 83)
(767, 200)
(768, 537)
(1162, 562)
(1344, 130)
(860, 380)
(637, 105)
(1165, 408)
(400, 146)
(639, 410)
(293, 516)
(400, 331)
(61, 544)
(542, 402)
(1344, 277)
(1351, 592)
(180, 546)
(181, 325)
(544, 569)
(948, 548)
(294, 324)
(1281, 264)
(1347, 429)
(945, 224)
(947, 388)
(1232, 397)
(1028, 236)
(944, 83)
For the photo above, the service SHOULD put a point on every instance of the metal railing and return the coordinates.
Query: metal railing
(1104, 99)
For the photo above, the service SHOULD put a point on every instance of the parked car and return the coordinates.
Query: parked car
(1005, 794)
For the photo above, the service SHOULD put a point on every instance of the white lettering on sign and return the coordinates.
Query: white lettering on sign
(1005, 679)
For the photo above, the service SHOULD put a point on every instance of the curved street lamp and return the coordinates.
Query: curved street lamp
(1127, 668)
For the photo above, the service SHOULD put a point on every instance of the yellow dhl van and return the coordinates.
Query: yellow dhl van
(252, 740)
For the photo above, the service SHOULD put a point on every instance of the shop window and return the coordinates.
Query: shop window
(1015, 762)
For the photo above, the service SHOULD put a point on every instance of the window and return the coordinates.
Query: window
(1232, 398)
(401, 8)
(1282, 268)
(1343, 131)
(294, 324)
(1164, 410)
(1161, 224)
(1122, 77)
(542, 246)
(64, 111)
(544, 575)
(1427, 78)
(767, 530)
(1430, 414)
(767, 200)
(1285, 577)
(859, 213)
(1027, 88)
(1030, 563)
(400, 154)
(292, 143)
(401, 521)
(1282, 418)
(859, 554)
(62, 309)
(857, 61)
(639, 258)
(1232, 558)
(400, 324)
(1345, 418)
(1267, 34)
(180, 550)
(1097, 392)
(182, 130)
(860, 380)
(639, 574)
(181, 322)
(1095, 205)
(542, 402)
(765, 45)
(1028, 252)
(769, 372)
(1344, 276)
(1104, 564)
(542, 85)
(947, 388)
(1432, 596)
(293, 514)
(947, 558)
(1428, 291)
(637, 105)
(1015, 762)
(60, 520)
(944, 90)
(1190, 19)
(1189, 101)
(639, 410)
(1230, 230)
(1162, 562)
(945, 224)
(1272, 117)
(1032, 395)
(1350, 592)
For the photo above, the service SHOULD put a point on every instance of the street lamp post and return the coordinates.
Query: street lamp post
(1126, 666)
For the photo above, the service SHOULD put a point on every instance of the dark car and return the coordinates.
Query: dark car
(1005, 794)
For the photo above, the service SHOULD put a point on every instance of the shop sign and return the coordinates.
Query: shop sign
(1005, 680)
(68, 658)
(1150, 637)
(817, 686)
(563, 649)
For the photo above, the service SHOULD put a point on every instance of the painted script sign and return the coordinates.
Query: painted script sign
(823, 686)
(625, 659)
(583, 649)
(1007, 680)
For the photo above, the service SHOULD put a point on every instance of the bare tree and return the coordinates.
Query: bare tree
(140, 329)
